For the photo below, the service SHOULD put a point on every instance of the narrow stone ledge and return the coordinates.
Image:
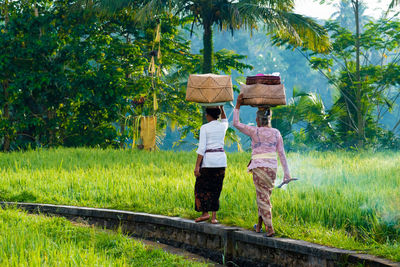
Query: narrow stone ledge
(230, 245)
(292, 245)
(370, 260)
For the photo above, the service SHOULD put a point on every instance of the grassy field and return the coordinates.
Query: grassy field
(346, 200)
(31, 240)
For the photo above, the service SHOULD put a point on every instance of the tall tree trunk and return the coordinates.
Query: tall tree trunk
(51, 116)
(6, 109)
(207, 55)
(122, 123)
(6, 115)
(359, 104)
(122, 141)
(208, 48)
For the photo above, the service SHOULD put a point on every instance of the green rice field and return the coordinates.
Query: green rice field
(31, 240)
(343, 199)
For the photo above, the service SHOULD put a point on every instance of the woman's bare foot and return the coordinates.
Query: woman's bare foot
(203, 217)
(214, 218)
(258, 226)
(270, 233)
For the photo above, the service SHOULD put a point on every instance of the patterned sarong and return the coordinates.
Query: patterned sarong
(208, 188)
(264, 179)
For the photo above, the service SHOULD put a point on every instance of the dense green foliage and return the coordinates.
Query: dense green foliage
(316, 116)
(363, 71)
(31, 240)
(375, 94)
(72, 76)
(67, 74)
(278, 17)
(344, 199)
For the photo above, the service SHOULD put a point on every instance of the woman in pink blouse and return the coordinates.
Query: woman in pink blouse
(266, 141)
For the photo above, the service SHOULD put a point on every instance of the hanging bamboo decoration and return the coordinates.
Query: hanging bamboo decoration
(148, 132)
(36, 11)
(148, 125)
(159, 58)
(158, 34)
(155, 102)
(152, 68)
(159, 54)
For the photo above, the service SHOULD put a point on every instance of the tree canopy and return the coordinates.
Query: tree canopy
(75, 74)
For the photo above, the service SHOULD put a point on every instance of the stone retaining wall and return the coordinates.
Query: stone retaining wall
(230, 245)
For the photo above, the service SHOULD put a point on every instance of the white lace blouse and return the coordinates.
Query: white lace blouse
(212, 136)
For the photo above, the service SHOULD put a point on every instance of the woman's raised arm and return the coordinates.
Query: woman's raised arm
(246, 129)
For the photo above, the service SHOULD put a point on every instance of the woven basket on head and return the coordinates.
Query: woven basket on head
(209, 88)
(262, 94)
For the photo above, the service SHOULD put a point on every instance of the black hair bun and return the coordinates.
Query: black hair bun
(213, 112)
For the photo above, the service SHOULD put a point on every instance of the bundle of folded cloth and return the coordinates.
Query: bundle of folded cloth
(270, 79)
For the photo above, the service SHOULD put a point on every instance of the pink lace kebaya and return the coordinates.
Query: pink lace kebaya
(263, 140)
(265, 143)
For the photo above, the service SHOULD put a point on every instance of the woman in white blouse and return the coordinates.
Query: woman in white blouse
(210, 164)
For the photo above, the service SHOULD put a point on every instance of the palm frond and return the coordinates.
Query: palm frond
(288, 27)
(151, 9)
(394, 3)
(303, 31)
(114, 5)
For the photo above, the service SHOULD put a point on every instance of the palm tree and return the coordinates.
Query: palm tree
(276, 15)
(306, 110)
(5, 79)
